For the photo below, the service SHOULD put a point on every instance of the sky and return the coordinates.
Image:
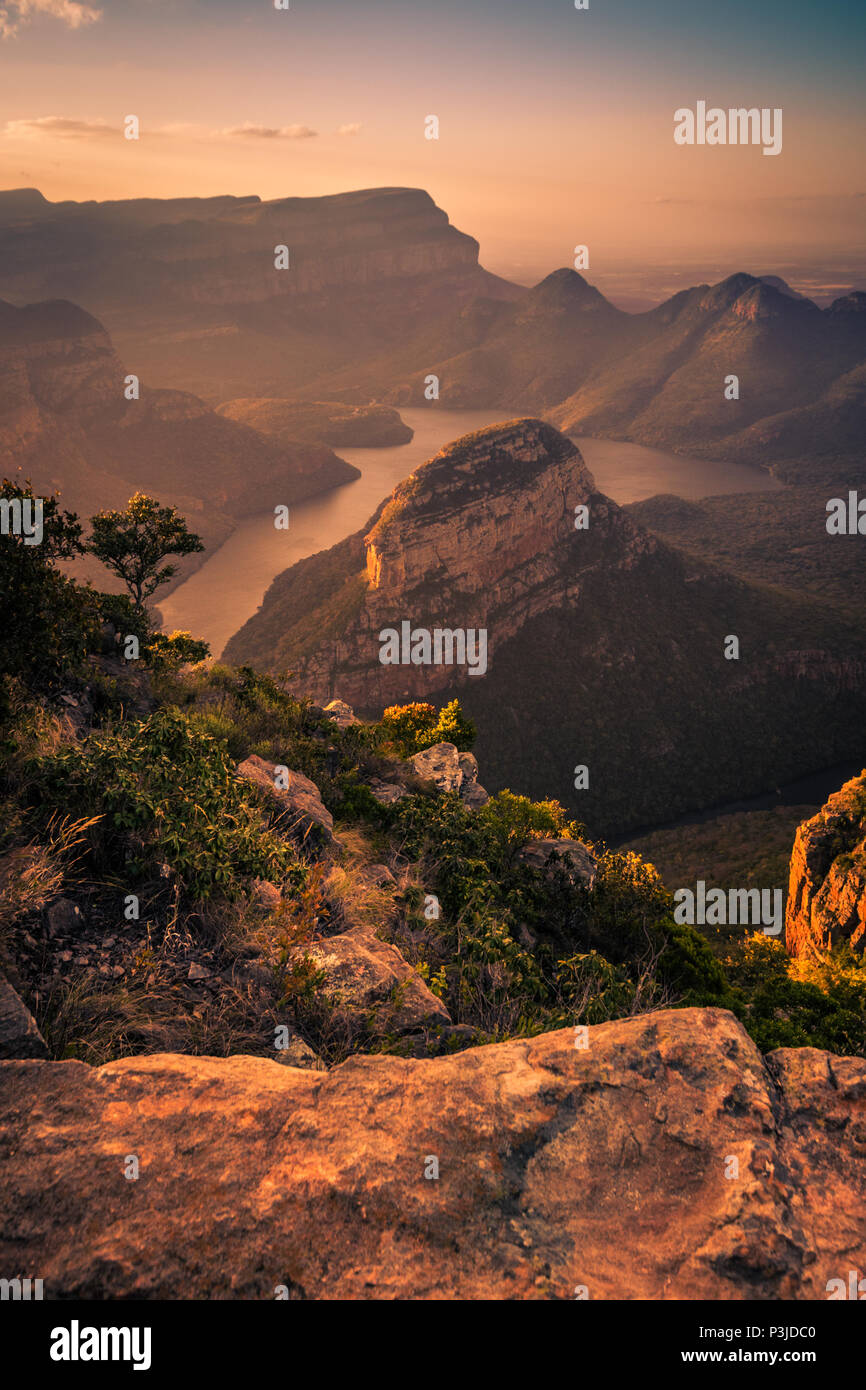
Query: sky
(555, 124)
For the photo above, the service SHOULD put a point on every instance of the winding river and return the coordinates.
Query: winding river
(217, 600)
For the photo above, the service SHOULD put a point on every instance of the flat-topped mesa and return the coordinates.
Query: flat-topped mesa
(487, 504)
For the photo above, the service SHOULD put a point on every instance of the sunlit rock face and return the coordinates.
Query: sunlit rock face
(827, 889)
(658, 1157)
(481, 537)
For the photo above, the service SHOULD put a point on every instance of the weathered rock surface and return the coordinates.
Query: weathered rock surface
(64, 916)
(827, 887)
(373, 985)
(451, 771)
(342, 714)
(19, 1033)
(440, 765)
(606, 1168)
(386, 793)
(472, 794)
(572, 855)
(300, 800)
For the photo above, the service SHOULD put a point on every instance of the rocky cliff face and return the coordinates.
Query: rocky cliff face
(482, 536)
(827, 888)
(221, 250)
(65, 422)
(666, 1160)
(605, 647)
(191, 294)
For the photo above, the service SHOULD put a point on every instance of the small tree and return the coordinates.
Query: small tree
(133, 544)
(48, 622)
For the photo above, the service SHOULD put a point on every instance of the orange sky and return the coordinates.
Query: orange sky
(556, 127)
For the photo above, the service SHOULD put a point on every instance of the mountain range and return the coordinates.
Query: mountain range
(67, 424)
(381, 292)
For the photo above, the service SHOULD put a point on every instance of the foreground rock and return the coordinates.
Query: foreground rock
(607, 1168)
(451, 771)
(19, 1033)
(372, 986)
(827, 888)
(573, 856)
(299, 800)
(341, 714)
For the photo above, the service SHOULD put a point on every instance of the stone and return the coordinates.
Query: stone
(64, 916)
(468, 766)
(473, 796)
(19, 1033)
(826, 903)
(370, 981)
(266, 894)
(197, 972)
(377, 876)
(386, 793)
(342, 714)
(300, 802)
(298, 1053)
(558, 1166)
(574, 856)
(440, 765)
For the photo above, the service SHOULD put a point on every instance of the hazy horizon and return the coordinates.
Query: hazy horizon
(231, 99)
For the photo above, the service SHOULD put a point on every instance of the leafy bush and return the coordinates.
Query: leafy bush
(177, 649)
(167, 793)
(789, 1003)
(49, 623)
(412, 728)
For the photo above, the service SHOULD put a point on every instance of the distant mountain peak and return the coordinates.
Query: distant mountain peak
(564, 289)
(853, 303)
(726, 292)
(777, 283)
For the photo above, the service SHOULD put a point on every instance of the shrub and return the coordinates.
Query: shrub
(168, 794)
(412, 728)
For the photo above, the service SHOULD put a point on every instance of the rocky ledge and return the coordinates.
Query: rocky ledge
(663, 1160)
(826, 903)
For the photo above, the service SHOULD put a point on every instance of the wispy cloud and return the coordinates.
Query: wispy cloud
(16, 13)
(64, 126)
(267, 132)
(354, 128)
(74, 128)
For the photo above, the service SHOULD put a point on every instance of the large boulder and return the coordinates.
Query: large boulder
(576, 858)
(19, 1033)
(299, 801)
(439, 765)
(665, 1160)
(371, 983)
(341, 714)
(827, 886)
(451, 771)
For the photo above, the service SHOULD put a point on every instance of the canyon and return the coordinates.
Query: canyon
(605, 645)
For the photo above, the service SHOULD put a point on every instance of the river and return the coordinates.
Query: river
(228, 588)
